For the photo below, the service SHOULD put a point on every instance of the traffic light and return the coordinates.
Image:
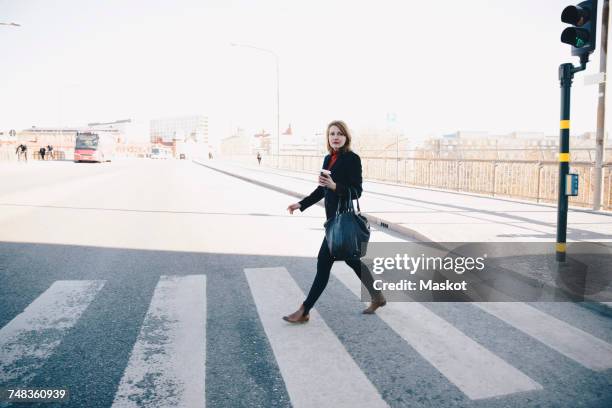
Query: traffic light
(581, 36)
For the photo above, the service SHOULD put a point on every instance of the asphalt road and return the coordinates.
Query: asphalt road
(162, 283)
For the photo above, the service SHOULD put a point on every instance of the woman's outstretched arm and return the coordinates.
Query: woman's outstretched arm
(313, 198)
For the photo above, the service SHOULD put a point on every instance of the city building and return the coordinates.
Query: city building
(264, 142)
(512, 146)
(132, 139)
(238, 143)
(184, 129)
(62, 139)
(128, 131)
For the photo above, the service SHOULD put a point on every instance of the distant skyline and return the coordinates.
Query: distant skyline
(437, 67)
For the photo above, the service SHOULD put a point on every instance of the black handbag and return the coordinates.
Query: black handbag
(348, 232)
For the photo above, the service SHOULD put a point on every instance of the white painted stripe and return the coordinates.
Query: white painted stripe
(315, 366)
(30, 338)
(167, 365)
(580, 346)
(476, 371)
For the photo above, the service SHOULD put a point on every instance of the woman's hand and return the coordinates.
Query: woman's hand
(294, 207)
(327, 182)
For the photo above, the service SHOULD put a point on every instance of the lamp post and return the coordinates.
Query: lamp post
(12, 25)
(277, 95)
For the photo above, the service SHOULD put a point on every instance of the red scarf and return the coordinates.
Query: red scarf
(334, 157)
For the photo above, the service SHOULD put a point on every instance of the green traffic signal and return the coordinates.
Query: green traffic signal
(582, 36)
(575, 37)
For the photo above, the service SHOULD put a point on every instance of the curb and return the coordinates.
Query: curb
(595, 306)
(405, 231)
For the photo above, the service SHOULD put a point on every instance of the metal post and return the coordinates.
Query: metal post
(494, 177)
(458, 164)
(566, 74)
(277, 112)
(565, 77)
(539, 182)
(598, 179)
(385, 177)
(397, 178)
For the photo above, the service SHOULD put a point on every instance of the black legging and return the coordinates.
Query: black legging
(324, 265)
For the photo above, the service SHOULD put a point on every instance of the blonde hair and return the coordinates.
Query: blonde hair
(345, 131)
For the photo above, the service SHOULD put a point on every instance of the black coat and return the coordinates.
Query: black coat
(346, 173)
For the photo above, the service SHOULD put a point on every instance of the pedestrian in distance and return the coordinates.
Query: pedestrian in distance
(22, 151)
(345, 167)
(42, 153)
(259, 158)
(50, 152)
(210, 156)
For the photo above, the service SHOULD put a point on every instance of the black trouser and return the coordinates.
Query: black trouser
(324, 265)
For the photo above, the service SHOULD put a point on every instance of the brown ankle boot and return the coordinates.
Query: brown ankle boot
(297, 316)
(377, 301)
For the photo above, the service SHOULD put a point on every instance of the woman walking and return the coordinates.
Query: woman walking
(345, 167)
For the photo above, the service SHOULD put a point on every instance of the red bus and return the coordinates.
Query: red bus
(94, 147)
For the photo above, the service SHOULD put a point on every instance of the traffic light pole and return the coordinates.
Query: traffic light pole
(566, 74)
(598, 179)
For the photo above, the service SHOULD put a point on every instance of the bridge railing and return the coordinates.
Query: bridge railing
(522, 179)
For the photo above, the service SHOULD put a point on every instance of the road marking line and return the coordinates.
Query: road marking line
(576, 344)
(314, 364)
(476, 371)
(168, 362)
(30, 338)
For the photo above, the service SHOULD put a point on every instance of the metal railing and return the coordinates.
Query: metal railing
(9, 155)
(522, 179)
(57, 155)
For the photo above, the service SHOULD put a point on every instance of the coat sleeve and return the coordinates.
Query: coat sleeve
(316, 195)
(313, 198)
(354, 178)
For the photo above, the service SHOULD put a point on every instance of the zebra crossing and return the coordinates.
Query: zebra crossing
(166, 367)
(28, 339)
(573, 343)
(167, 364)
(312, 357)
(473, 369)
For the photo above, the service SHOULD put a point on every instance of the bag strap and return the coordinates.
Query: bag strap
(349, 203)
(350, 200)
(356, 198)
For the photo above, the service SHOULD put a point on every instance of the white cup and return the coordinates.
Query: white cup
(324, 173)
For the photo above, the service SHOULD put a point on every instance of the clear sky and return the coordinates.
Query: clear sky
(439, 66)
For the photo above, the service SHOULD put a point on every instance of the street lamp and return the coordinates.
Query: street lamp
(277, 95)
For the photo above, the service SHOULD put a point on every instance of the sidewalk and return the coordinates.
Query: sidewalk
(440, 216)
